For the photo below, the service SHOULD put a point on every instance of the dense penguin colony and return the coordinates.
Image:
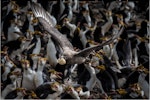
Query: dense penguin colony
(71, 49)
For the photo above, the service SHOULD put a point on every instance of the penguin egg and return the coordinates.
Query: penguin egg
(61, 61)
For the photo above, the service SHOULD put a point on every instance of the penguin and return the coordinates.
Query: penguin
(9, 12)
(105, 28)
(144, 84)
(122, 77)
(18, 93)
(128, 53)
(30, 94)
(57, 13)
(128, 13)
(86, 37)
(50, 6)
(13, 31)
(143, 32)
(75, 7)
(34, 61)
(49, 90)
(134, 92)
(137, 76)
(70, 13)
(67, 12)
(35, 44)
(143, 59)
(38, 78)
(70, 93)
(54, 75)
(29, 36)
(121, 93)
(109, 68)
(83, 39)
(107, 49)
(11, 24)
(56, 87)
(4, 55)
(96, 34)
(11, 86)
(92, 80)
(51, 52)
(121, 49)
(15, 47)
(70, 26)
(83, 91)
(37, 48)
(109, 84)
(26, 23)
(28, 75)
(134, 48)
(8, 65)
(114, 5)
(105, 66)
(87, 17)
(115, 56)
(82, 74)
(66, 32)
(10, 5)
(76, 42)
(29, 23)
(80, 19)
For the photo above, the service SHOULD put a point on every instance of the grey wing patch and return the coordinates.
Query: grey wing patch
(46, 21)
(40, 12)
(87, 51)
(63, 39)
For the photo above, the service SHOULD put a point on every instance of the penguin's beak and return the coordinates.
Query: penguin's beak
(122, 23)
(3, 52)
(79, 89)
(35, 20)
(101, 67)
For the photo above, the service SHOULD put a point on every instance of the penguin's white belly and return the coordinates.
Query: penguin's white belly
(106, 27)
(51, 54)
(38, 79)
(144, 85)
(4, 75)
(15, 53)
(13, 36)
(37, 47)
(91, 83)
(28, 81)
(70, 15)
(107, 50)
(83, 40)
(8, 89)
(88, 19)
